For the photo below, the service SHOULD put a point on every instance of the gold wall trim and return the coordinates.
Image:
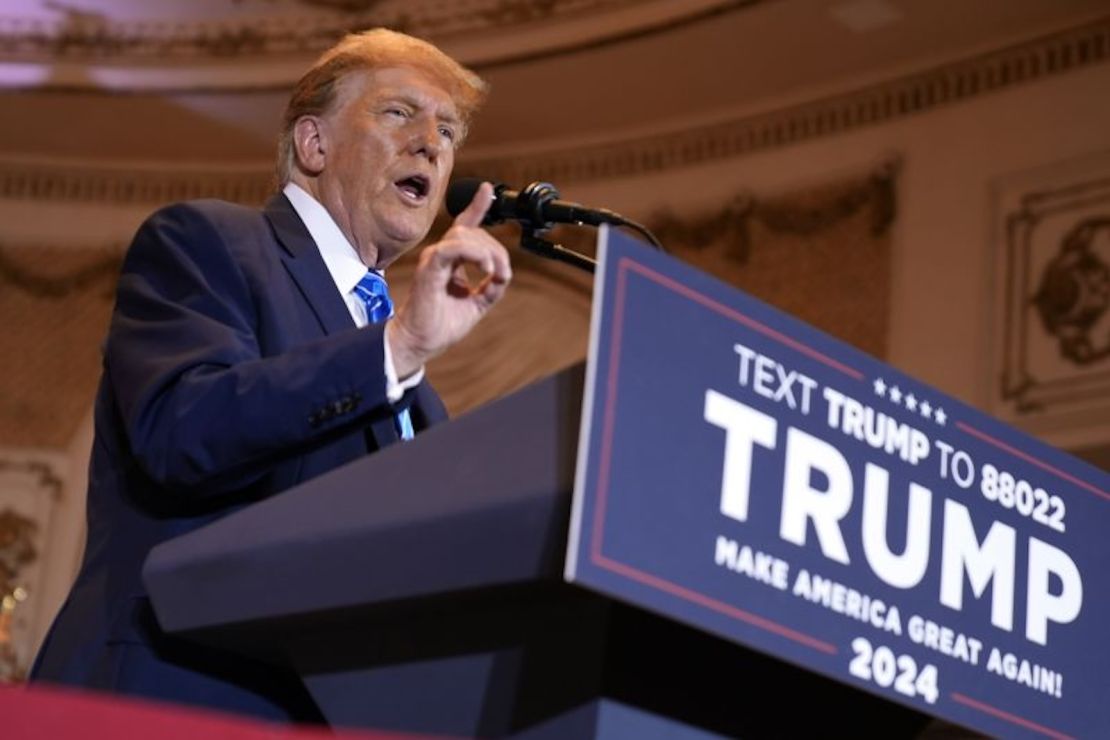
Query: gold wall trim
(883, 102)
(92, 37)
(49, 478)
(1035, 60)
(92, 184)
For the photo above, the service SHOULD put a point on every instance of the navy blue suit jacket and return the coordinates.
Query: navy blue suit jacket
(232, 371)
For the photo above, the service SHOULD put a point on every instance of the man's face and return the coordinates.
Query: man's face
(389, 146)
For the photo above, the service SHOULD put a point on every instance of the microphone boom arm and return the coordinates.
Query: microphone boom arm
(531, 241)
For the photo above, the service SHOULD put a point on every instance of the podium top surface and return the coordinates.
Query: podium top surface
(479, 502)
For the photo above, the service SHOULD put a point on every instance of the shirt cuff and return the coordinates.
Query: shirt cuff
(394, 387)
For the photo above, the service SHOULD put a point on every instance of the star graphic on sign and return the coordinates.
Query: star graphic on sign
(895, 394)
(926, 409)
(940, 416)
(911, 402)
(880, 387)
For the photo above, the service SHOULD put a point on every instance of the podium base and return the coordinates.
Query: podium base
(560, 662)
(606, 719)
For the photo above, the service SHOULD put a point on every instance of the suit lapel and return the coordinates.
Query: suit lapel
(303, 261)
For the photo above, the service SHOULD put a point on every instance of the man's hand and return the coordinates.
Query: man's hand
(443, 305)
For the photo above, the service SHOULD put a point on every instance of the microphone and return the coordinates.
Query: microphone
(537, 205)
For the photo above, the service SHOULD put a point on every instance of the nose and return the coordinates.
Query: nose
(425, 139)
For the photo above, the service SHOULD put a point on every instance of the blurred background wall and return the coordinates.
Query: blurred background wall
(928, 180)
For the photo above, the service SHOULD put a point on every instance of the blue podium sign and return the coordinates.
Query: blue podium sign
(744, 473)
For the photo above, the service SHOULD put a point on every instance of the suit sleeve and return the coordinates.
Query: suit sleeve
(204, 411)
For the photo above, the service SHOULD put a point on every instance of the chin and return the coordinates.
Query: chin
(396, 247)
(399, 236)
(407, 236)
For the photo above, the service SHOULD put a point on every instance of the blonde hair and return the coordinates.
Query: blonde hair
(378, 48)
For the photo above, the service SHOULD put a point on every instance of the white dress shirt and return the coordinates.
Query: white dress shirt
(346, 269)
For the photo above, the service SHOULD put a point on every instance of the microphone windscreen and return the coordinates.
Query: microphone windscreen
(460, 192)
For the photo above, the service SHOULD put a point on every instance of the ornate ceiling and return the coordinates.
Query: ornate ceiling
(130, 44)
(186, 84)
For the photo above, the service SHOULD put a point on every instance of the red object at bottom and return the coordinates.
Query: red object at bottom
(41, 713)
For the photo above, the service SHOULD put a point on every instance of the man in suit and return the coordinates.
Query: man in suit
(252, 350)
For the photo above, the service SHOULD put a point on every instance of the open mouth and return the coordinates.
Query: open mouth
(414, 187)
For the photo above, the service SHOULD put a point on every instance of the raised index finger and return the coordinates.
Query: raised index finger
(473, 214)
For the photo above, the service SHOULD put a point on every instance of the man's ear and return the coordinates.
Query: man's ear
(309, 144)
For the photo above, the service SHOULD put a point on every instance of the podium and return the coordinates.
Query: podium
(741, 486)
(421, 589)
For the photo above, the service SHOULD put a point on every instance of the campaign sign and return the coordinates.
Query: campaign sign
(744, 473)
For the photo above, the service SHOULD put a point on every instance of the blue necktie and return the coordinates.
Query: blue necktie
(375, 295)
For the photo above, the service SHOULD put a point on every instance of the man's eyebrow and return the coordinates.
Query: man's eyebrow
(450, 118)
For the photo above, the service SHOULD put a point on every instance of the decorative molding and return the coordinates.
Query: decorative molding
(727, 228)
(92, 184)
(29, 491)
(17, 553)
(269, 53)
(101, 271)
(48, 478)
(807, 251)
(1073, 295)
(1056, 324)
(732, 223)
(1049, 371)
(346, 6)
(885, 102)
(307, 29)
(56, 301)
